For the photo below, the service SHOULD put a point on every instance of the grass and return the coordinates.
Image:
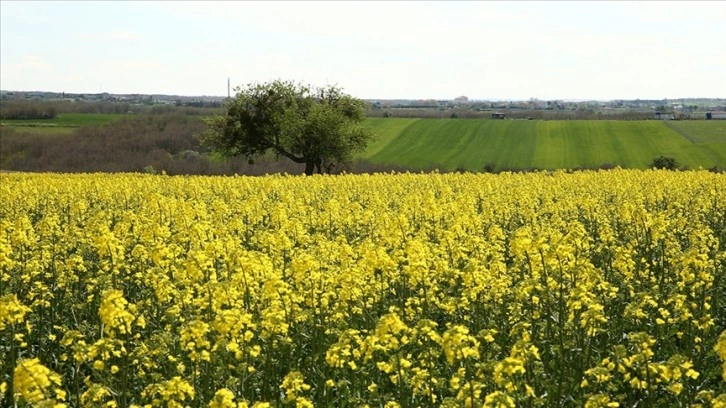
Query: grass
(448, 144)
(519, 144)
(708, 135)
(491, 143)
(570, 144)
(385, 130)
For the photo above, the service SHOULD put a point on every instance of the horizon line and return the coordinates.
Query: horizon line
(469, 99)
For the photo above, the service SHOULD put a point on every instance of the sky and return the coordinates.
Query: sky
(513, 50)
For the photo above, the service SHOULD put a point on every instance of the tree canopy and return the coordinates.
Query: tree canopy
(320, 127)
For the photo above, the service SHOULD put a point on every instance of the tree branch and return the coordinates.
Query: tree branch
(287, 154)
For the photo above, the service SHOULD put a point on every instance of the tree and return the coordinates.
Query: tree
(664, 162)
(320, 127)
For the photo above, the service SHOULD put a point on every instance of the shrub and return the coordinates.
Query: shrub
(664, 162)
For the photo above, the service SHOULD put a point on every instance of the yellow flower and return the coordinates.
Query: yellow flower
(231, 272)
(720, 348)
(675, 388)
(12, 311)
(458, 344)
(719, 402)
(498, 399)
(114, 314)
(193, 338)
(223, 398)
(34, 383)
(302, 402)
(292, 384)
(372, 387)
(600, 401)
(95, 395)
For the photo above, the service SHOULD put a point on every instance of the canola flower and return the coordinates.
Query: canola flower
(35, 384)
(595, 289)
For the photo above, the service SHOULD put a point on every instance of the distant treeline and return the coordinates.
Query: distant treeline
(24, 110)
(27, 110)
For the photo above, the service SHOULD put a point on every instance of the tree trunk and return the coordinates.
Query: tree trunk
(309, 167)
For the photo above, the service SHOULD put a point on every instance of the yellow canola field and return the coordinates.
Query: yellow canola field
(594, 289)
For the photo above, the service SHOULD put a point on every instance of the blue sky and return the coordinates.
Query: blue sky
(412, 49)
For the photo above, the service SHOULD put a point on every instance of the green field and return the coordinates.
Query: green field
(64, 120)
(476, 144)
(448, 144)
(710, 136)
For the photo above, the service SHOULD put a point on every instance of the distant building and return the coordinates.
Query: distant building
(461, 99)
(497, 115)
(715, 115)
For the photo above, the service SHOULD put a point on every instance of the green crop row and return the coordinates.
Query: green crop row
(472, 144)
